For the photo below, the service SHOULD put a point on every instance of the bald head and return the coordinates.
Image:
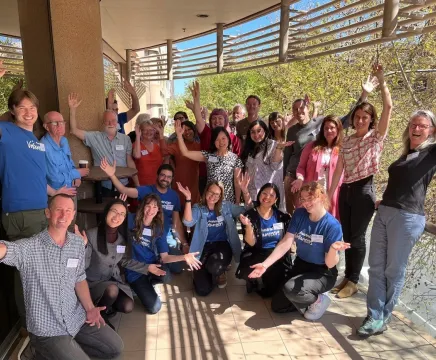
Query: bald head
(53, 116)
(55, 125)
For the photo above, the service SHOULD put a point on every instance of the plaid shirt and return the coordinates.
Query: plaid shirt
(49, 274)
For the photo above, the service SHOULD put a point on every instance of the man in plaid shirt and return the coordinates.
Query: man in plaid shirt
(62, 321)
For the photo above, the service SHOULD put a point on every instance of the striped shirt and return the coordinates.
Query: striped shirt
(49, 274)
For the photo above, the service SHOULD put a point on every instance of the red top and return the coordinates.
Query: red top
(205, 139)
(148, 164)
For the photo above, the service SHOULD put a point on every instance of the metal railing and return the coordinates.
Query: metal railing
(294, 33)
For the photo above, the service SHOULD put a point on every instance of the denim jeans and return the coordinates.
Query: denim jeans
(174, 249)
(393, 236)
(356, 207)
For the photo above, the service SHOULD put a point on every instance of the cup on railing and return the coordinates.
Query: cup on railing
(83, 164)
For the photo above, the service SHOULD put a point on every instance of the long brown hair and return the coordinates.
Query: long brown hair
(157, 224)
(273, 117)
(369, 109)
(218, 206)
(321, 142)
(317, 191)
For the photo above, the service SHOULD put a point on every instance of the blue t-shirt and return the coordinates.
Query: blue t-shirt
(216, 228)
(170, 202)
(122, 120)
(271, 231)
(314, 238)
(147, 251)
(23, 169)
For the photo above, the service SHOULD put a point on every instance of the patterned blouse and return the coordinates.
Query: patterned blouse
(222, 168)
(361, 156)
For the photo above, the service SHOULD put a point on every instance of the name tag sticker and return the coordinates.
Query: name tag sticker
(146, 232)
(317, 238)
(72, 263)
(412, 156)
(213, 159)
(278, 226)
(121, 249)
(220, 218)
(119, 147)
(144, 152)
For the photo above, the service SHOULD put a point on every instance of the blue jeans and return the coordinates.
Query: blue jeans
(393, 236)
(174, 249)
(143, 287)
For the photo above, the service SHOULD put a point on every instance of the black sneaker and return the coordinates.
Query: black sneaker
(250, 286)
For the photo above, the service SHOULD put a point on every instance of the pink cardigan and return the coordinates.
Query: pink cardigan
(309, 167)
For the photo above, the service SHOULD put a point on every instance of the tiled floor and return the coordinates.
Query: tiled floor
(232, 325)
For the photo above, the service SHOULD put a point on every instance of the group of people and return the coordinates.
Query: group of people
(302, 183)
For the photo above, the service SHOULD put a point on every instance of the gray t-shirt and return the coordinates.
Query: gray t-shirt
(101, 147)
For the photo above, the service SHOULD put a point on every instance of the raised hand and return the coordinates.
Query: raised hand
(156, 270)
(178, 128)
(244, 180)
(184, 190)
(128, 87)
(317, 104)
(93, 317)
(244, 220)
(377, 71)
(282, 144)
(370, 84)
(74, 101)
(195, 91)
(138, 131)
(258, 271)
(70, 191)
(296, 185)
(107, 168)
(189, 104)
(123, 197)
(340, 246)
(192, 261)
(81, 234)
(2, 69)
(204, 113)
(306, 99)
(158, 130)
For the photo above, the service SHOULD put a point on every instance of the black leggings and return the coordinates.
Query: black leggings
(215, 258)
(306, 282)
(275, 275)
(117, 299)
(356, 207)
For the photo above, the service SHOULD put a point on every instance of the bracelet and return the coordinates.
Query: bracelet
(187, 200)
(263, 265)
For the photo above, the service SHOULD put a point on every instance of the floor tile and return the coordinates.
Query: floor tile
(265, 350)
(391, 339)
(139, 355)
(216, 296)
(250, 309)
(222, 352)
(138, 340)
(239, 293)
(429, 351)
(258, 330)
(176, 336)
(223, 331)
(308, 347)
(185, 353)
(368, 355)
(314, 357)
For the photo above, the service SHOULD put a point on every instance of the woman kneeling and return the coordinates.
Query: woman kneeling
(263, 227)
(319, 238)
(150, 246)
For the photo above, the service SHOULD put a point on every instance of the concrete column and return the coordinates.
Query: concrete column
(62, 47)
(390, 17)
(219, 48)
(284, 30)
(170, 59)
(128, 64)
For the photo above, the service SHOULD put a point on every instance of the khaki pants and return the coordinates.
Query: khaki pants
(22, 225)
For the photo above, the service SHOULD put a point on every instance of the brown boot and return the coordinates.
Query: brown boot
(349, 290)
(339, 287)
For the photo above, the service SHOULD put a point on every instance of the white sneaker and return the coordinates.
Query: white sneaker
(318, 308)
(26, 351)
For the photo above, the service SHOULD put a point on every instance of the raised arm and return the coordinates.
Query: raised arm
(137, 144)
(110, 171)
(336, 177)
(195, 107)
(187, 214)
(73, 103)
(249, 237)
(385, 117)
(135, 101)
(193, 155)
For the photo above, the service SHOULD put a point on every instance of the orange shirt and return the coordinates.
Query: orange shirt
(148, 164)
(186, 171)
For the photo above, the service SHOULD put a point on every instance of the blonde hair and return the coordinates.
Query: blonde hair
(430, 140)
(317, 191)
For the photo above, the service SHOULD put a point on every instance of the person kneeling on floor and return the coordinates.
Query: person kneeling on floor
(319, 238)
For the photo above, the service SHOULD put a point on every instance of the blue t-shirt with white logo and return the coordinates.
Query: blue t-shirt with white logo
(122, 120)
(146, 251)
(170, 202)
(314, 239)
(216, 228)
(23, 169)
(271, 231)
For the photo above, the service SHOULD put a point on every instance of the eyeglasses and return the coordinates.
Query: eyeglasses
(216, 195)
(309, 199)
(57, 123)
(163, 176)
(116, 213)
(419, 126)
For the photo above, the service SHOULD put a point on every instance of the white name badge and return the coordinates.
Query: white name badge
(317, 238)
(278, 226)
(220, 218)
(412, 156)
(144, 152)
(72, 263)
(119, 147)
(146, 232)
(121, 249)
(213, 159)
